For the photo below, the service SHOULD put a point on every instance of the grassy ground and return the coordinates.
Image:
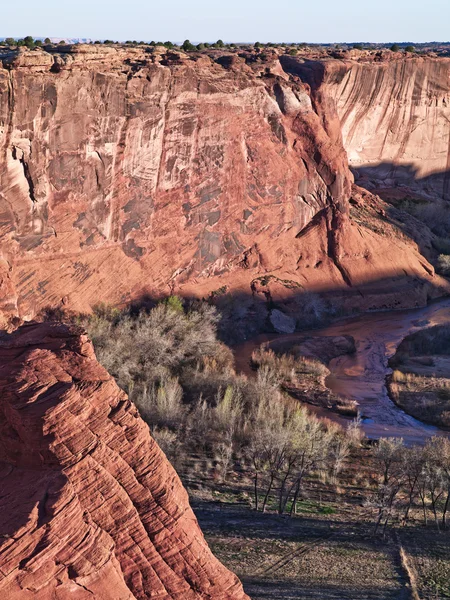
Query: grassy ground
(327, 551)
(309, 556)
(430, 558)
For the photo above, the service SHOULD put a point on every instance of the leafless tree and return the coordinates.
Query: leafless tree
(388, 455)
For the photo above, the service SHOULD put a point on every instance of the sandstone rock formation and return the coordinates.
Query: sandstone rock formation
(126, 173)
(89, 505)
(395, 117)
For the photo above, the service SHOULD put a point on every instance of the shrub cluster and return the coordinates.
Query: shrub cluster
(443, 264)
(27, 41)
(182, 379)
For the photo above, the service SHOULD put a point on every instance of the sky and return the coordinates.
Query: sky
(230, 20)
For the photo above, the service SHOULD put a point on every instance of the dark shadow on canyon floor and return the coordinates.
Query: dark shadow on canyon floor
(398, 179)
(246, 315)
(292, 571)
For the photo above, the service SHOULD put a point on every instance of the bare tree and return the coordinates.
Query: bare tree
(412, 465)
(436, 477)
(311, 447)
(388, 456)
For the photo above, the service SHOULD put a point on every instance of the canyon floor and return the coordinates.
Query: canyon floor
(212, 196)
(326, 552)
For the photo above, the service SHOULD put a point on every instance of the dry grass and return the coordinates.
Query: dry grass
(426, 398)
(401, 377)
(303, 377)
(347, 407)
(420, 381)
(288, 367)
(443, 264)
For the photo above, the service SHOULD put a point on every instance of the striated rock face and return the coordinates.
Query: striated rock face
(127, 174)
(90, 507)
(395, 117)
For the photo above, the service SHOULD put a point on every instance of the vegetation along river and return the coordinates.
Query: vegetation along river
(361, 376)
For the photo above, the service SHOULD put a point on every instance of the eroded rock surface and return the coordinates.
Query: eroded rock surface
(395, 118)
(89, 505)
(127, 174)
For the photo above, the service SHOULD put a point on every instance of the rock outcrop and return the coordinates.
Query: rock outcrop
(395, 115)
(89, 505)
(128, 174)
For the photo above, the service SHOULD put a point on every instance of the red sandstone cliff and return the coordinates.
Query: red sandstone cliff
(126, 173)
(395, 115)
(89, 505)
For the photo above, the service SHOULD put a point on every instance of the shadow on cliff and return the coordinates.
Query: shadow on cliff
(19, 501)
(311, 72)
(386, 176)
(26, 453)
(419, 206)
(245, 315)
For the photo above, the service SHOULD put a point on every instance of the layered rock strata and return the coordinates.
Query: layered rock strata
(395, 117)
(127, 174)
(89, 506)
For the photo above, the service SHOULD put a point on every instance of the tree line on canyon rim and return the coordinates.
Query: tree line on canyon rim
(181, 376)
(292, 47)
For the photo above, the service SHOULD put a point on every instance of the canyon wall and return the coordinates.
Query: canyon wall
(127, 174)
(395, 115)
(89, 507)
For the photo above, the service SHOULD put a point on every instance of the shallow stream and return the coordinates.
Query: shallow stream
(362, 376)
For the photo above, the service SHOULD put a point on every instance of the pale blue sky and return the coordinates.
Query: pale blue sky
(231, 20)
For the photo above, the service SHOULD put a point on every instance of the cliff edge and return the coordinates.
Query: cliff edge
(128, 174)
(90, 506)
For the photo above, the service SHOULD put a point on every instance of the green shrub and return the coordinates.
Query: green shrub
(174, 303)
(187, 46)
(327, 510)
(29, 41)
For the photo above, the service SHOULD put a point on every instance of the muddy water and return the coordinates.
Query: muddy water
(362, 376)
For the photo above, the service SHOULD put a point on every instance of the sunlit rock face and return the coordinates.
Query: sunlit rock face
(90, 507)
(395, 116)
(127, 174)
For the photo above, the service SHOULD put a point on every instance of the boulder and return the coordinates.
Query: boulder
(281, 322)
